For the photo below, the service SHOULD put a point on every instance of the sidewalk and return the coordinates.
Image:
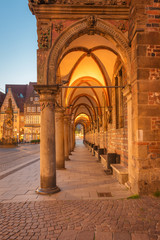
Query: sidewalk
(77, 212)
(84, 178)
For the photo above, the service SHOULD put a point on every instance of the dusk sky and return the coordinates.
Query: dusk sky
(18, 43)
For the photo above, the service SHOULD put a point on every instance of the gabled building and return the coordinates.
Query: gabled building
(20, 113)
(14, 100)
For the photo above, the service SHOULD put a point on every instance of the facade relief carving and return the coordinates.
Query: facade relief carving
(81, 2)
(44, 35)
(47, 105)
(109, 115)
(59, 27)
(91, 21)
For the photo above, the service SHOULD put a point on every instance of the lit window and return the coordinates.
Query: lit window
(38, 109)
(31, 99)
(33, 109)
(28, 109)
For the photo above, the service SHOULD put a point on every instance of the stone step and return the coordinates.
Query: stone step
(104, 160)
(120, 173)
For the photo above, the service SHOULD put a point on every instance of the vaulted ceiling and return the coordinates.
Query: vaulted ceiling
(87, 61)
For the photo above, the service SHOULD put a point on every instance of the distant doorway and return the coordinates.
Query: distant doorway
(79, 133)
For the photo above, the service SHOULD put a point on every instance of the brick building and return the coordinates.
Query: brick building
(16, 121)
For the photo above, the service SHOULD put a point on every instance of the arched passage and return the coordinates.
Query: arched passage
(90, 64)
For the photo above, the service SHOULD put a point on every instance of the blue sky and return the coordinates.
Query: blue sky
(18, 43)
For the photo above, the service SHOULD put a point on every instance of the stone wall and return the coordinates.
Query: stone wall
(145, 40)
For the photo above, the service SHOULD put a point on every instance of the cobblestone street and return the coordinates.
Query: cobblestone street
(82, 220)
(77, 212)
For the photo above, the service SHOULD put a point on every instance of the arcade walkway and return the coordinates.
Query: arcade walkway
(84, 178)
(76, 213)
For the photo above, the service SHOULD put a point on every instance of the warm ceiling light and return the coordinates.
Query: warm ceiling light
(82, 115)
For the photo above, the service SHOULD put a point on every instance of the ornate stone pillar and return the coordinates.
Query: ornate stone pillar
(59, 122)
(73, 137)
(70, 136)
(66, 138)
(47, 143)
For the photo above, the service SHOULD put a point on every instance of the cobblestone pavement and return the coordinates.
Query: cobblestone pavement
(82, 220)
(77, 212)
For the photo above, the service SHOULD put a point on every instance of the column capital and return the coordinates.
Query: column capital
(59, 110)
(47, 95)
(67, 116)
(47, 92)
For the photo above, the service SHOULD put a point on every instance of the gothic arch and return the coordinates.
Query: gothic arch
(80, 28)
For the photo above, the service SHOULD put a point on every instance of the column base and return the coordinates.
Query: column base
(44, 191)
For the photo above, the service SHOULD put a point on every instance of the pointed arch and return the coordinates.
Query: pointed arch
(80, 28)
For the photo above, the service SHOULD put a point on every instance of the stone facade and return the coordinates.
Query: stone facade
(12, 119)
(20, 114)
(122, 119)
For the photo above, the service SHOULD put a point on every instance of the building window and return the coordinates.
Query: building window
(38, 109)
(28, 109)
(31, 99)
(21, 95)
(119, 101)
(36, 99)
(33, 109)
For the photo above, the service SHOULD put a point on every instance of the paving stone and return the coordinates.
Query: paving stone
(103, 236)
(85, 235)
(136, 236)
(50, 217)
(68, 235)
(121, 236)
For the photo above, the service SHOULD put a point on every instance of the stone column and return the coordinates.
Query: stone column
(73, 138)
(47, 144)
(101, 143)
(96, 137)
(59, 118)
(70, 137)
(71, 132)
(66, 138)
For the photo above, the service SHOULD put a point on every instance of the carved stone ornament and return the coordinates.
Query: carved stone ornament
(81, 2)
(44, 36)
(122, 27)
(47, 105)
(109, 114)
(58, 27)
(91, 21)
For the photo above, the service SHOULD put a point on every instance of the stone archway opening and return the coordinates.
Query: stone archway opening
(79, 132)
(87, 74)
(85, 70)
(92, 76)
(74, 78)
